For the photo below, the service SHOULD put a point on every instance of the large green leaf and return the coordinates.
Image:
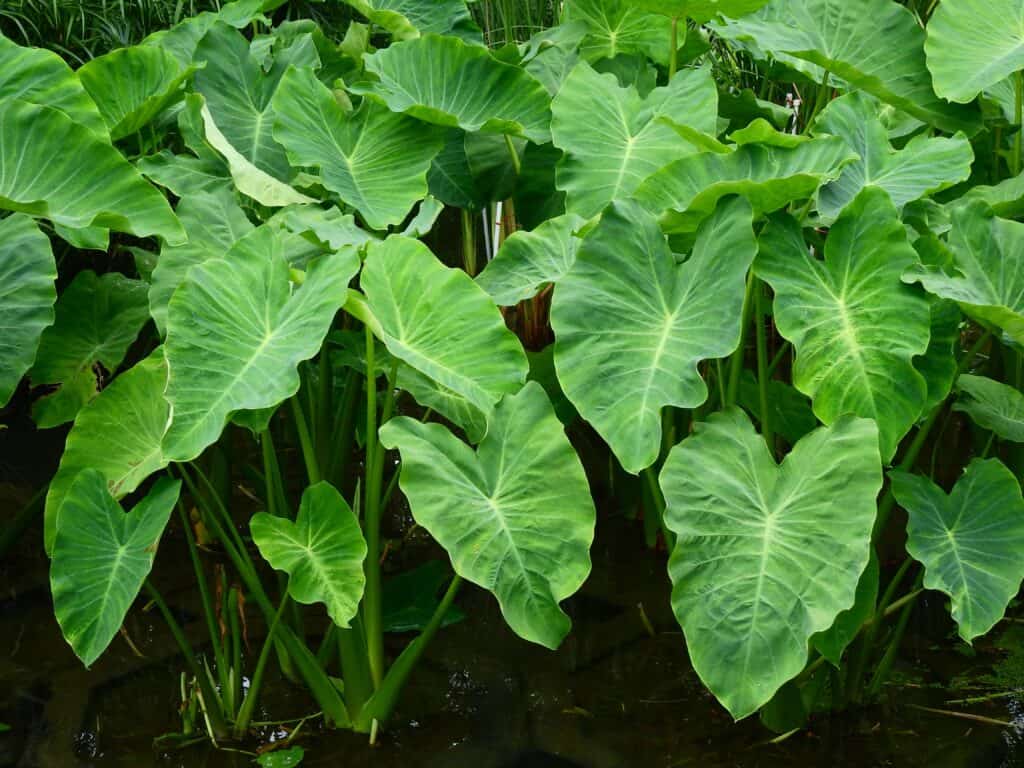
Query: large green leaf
(376, 160)
(322, 551)
(516, 516)
(855, 326)
(101, 557)
(631, 323)
(987, 274)
(97, 319)
(769, 177)
(925, 165)
(50, 167)
(131, 86)
(874, 45)
(766, 555)
(992, 405)
(613, 139)
(236, 332)
(119, 434)
(527, 261)
(702, 10)
(27, 295)
(973, 44)
(969, 542)
(406, 19)
(441, 323)
(184, 174)
(619, 26)
(213, 222)
(42, 77)
(239, 96)
(449, 82)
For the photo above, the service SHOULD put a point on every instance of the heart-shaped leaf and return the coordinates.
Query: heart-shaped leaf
(27, 295)
(131, 86)
(239, 96)
(992, 405)
(42, 77)
(119, 434)
(360, 155)
(441, 323)
(686, 191)
(53, 169)
(987, 275)
(874, 45)
(619, 26)
(236, 332)
(527, 261)
(322, 551)
(101, 557)
(613, 139)
(969, 542)
(516, 516)
(213, 222)
(855, 326)
(631, 323)
(97, 319)
(973, 44)
(417, 76)
(925, 165)
(766, 555)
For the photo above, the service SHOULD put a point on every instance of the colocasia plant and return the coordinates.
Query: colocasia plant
(769, 315)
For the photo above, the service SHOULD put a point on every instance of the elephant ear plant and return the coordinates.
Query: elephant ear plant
(769, 318)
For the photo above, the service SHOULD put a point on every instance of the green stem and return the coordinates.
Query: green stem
(236, 652)
(245, 713)
(213, 705)
(1018, 114)
(882, 670)
(355, 667)
(344, 434)
(659, 506)
(517, 164)
(762, 366)
(468, 243)
(324, 409)
(379, 707)
(204, 598)
(308, 450)
(674, 45)
(371, 524)
(736, 362)
(779, 357)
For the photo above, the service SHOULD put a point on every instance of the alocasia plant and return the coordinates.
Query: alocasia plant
(387, 259)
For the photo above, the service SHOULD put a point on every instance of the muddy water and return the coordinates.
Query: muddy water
(619, 694)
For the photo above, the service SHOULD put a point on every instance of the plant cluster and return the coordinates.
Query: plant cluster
(770, 313)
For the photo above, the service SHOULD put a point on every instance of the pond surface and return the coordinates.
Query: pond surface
(620, 693)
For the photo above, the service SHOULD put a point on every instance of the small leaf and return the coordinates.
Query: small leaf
(119, 434)
(516, 516)
(939, 365)
(407, 19)
(27, 295)
(415, 77)
(185, 175)
(360, 155)
(527, 261)
(101, 557)
(97, 319)
(322, 551)
(855, 327)
(631, 323)
(969, 542)
(992, 405)
(767, 555)
(282, 758)
(411, 597)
